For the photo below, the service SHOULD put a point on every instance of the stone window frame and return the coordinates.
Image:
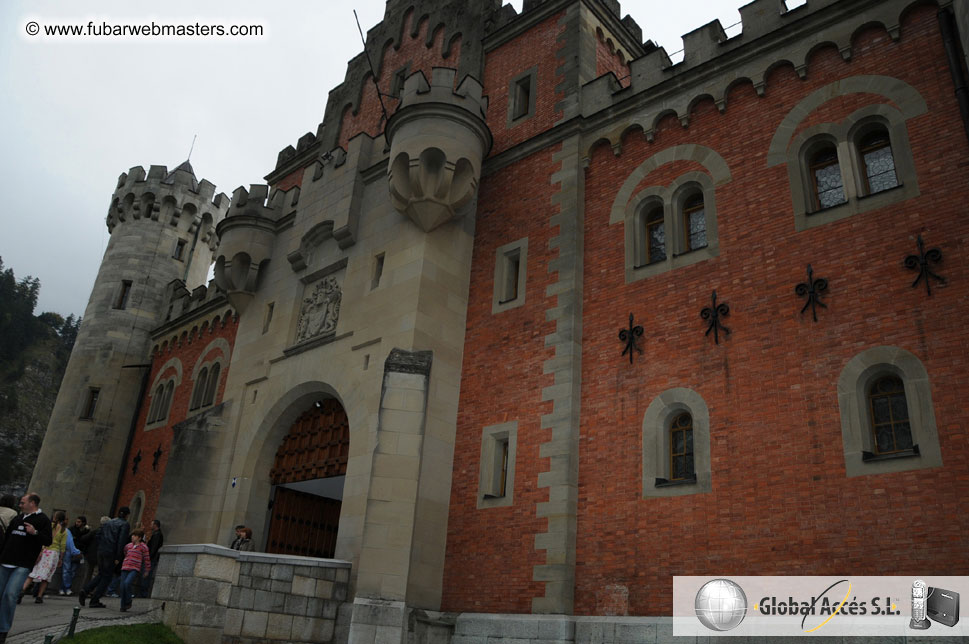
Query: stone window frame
(90, 403)
(900, 103)
(221, 359)
(513, 103)
(656, 444)
(846, 137)
(856, 426)
(152, 420)
(673, 197)
(502, 253)
(491, 437)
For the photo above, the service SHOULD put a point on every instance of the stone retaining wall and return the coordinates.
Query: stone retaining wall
(216, 595)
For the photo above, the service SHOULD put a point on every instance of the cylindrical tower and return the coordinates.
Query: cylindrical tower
(162, 228)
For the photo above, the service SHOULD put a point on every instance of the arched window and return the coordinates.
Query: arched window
(676, 445)
(652, 242)
(694, 223)
(156, 401)
(829, 190)
(888, 410)
(212, 386)
(875, 149)
(199, 391)
(166, 400)
(887, 416)
(681, 448)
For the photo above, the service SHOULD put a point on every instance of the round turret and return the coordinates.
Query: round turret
(162, 228)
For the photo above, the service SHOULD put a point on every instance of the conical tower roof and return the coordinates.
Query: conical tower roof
(184, 167)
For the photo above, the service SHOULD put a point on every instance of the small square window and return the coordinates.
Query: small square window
(121, 301)
(179, 252)
(91, 403)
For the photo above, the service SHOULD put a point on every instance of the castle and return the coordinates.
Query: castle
(537, 320)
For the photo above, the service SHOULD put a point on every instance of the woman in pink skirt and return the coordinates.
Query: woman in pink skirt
(49, 557)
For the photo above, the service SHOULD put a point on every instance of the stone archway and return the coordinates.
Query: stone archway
(307, 477)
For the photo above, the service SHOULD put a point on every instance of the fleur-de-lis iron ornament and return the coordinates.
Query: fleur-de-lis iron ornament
(631, 336)
(135, 461)
(921, 263)
(812, 290)
(155, 457)
(713, 314)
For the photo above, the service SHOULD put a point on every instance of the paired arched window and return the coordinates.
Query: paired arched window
(833, 180)
(670, 230)
(161, 401)
(206, 387)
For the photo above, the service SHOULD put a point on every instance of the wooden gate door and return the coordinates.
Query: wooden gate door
(316, 447)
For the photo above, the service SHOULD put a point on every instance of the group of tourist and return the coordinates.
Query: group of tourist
(32, 546)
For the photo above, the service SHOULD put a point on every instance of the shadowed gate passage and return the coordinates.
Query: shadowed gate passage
(307, 476)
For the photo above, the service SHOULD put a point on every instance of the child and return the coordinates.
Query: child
(136, 561)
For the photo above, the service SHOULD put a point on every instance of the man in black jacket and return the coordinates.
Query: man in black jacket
(26, 536)
(115, 535)
(155, 542)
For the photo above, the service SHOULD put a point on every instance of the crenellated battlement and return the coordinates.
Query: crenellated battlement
(468, 95)
(168, 197)
(183, 304)
(713, 64)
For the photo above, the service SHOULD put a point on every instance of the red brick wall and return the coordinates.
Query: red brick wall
(502, 379)
(781, 503)
(369, 117)
(292, 180)
(608, 60)
(189, 351)
(532, 48)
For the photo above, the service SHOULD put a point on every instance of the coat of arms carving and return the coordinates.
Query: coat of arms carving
(320, 310)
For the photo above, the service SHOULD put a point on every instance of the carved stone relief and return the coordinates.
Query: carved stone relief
(320, 310)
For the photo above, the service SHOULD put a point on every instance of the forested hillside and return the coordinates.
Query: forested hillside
(34, 350)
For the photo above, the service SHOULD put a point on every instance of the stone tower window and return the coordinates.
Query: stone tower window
(123, 293)
(91, 404)
(179, 252)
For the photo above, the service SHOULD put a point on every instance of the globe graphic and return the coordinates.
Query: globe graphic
(721, 605)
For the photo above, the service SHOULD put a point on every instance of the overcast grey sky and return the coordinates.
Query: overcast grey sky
(76, 112)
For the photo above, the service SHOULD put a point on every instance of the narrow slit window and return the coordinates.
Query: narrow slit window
(378, 271)
(124, 293)
(509, 289)
(269, 317)
(502, 466)
(179, 251)
(522, 95)
(91, 404)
